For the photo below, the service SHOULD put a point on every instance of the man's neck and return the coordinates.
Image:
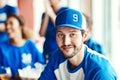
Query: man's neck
(77, 59)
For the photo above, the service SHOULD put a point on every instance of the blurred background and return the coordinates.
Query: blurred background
(105, 15)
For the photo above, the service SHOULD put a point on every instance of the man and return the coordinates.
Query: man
(74, 60)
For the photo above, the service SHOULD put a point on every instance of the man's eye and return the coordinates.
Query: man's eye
(73, 35)
(60, 35)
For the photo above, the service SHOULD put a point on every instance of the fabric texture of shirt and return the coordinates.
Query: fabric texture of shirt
(93, 67)
(19, 57)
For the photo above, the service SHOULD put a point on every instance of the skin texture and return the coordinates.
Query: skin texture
(13, 27)
(50, 10)
(14, 31)
(70, 42)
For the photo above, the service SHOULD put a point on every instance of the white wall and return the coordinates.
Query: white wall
(12, 2)
(116, 34)
(97, 14)
(75, 4)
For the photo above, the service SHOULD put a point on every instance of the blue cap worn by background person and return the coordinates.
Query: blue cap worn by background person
(71, 18)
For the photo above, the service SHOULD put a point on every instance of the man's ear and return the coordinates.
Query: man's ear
(85, 36)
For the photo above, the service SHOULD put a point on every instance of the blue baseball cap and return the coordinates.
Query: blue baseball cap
(70, 18)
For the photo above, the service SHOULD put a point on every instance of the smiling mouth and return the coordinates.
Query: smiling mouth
(67, 47)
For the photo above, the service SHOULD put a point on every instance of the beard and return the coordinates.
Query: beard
(76, 50)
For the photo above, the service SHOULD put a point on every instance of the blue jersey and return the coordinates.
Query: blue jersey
(95, 46)
(4, 13)
(19, 57)
(93, 67)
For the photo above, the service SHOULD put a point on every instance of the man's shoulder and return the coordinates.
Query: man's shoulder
(98, 64)
(96, 58)
(93, 58)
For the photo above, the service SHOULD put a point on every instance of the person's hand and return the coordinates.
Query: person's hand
(48, 9)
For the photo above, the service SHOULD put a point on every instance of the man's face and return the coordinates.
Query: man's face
(69, 41)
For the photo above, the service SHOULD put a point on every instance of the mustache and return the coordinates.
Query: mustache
(64, 46)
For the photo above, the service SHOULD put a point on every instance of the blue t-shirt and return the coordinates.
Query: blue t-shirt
(4, 13)
(93, 67)
(50, 44)
(95, 46)
(19, 57)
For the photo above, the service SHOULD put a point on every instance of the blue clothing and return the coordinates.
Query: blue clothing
(95, 46)
(4, 13)
(93, 67)
(50, 44)
(19, 57)
(50, 39)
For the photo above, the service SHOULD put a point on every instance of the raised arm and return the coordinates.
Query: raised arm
(49, 14)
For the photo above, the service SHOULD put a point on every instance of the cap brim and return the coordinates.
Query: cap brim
(71, 26)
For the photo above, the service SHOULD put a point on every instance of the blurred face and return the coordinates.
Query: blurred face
(70, 41)
(2, 3)
(13, 28)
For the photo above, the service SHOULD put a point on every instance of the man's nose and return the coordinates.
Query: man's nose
(67, 40)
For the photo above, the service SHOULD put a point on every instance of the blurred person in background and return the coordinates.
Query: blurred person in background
(90, 42)
(19, 52)
(5, 11)
(74, 60)
(52, 7)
